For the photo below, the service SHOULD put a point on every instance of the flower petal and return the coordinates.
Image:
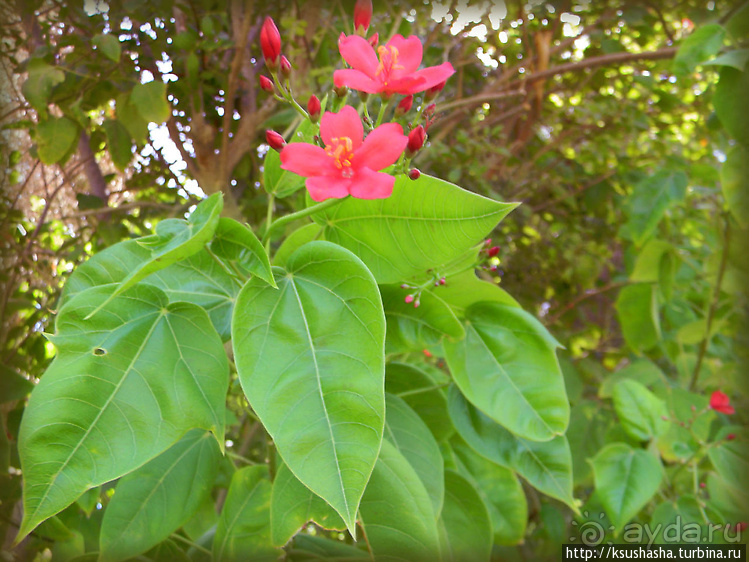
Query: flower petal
(433, 75)
(306, 160)
(405, 86)
(356, 81)
(381, 148)
(368, 184)
(410, 53)
(359, 54)
(328, 187)
(345, 123)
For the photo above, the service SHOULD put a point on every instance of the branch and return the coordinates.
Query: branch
(586, 295)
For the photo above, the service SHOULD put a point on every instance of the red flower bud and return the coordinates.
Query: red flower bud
(417, 303)
(409, 299)
(721, 403)
(414, 174)
(730, 437)
(443, 281)
(416, 140)
(430, 109)
(405, 105)
(427, 353)
(702, 484)
(313, 108)
(374, 40)
(488, 242)
(285, 67)
(266, 84)
(432, 92)
(493, 251)
(274, 139)
(270, 43)
(362, 15)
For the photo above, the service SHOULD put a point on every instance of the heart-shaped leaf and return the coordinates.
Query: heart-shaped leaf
(507, 367)
(310, 357)
(640, 411)
(236, 243)
(107, 404)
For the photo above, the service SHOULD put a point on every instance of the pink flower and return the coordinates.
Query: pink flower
(347, 165)
(394, 72)
(721, 403)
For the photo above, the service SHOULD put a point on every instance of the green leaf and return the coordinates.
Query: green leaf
(650, 200)
(119, 142)
(158, 498)
(736, 58)
(243, 530)
(688, 519)
(698, 47)
(39, 85)
(734, 181)
(127, 114)
(107, 404)
(546, 465)
(730, 103)
(292, 505)
(730, 458)
(109, 45)
(235, 242)
(466, 530)
(413, 230)
(625, 480)
(310, 357)
(198, 279)
(416, 328)
(648, 264)
(507, 367)
(150, 100)
(309, 548)
(175, 240)
(423, 394)
(411, 436)
(13, 386)
(296, 239)
(464, 289)
(643, 371)
(637, 310)
(639, 410)
(56, 137)
(396, 513)
(283, 183)
(501, 492)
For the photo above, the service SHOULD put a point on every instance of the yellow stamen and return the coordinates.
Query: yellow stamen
(341, 150)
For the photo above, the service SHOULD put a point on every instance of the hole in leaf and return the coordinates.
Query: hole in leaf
(100, 351)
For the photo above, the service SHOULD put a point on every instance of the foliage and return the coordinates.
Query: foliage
(201, 362)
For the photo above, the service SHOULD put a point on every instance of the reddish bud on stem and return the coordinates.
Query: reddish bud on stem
(416, 140)
(374, 40)
(404, 106)
(313, 108)
(270, 43)
(414, 174)
(274, 139)
(266, 84)
(409, 299)
(285, 67)
(730, 437)
(493, 251)
(362, 16)
(432, 92)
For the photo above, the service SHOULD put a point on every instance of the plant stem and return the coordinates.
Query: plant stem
(383, 107)
(268, 220)
(222, 265)
(190, 543)
(283, 221)
(713, 304)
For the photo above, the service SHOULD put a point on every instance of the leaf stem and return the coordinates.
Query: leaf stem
(269, 220)
(283, 221)
(190, 543)
(384, 105)
(222, 265)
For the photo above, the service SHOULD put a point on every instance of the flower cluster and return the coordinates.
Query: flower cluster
(343, 160)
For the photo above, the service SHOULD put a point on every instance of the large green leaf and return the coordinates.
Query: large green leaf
(42, 78)
(730, 103)
(128, 114)
(507, 367)
(465, 528)
(640, 411)
(198, 279)
(243, 530)
(150, 100)
(734, 181)
(158, 498)
(310, 357)
(650, 200)
(625, 479)
(405, 429)
(730, 457)
(396, 513)
(643, 371)
(295, 240)
(698, 47)
(109, 45)
(56, 137)
(464, 289)
(637, 310)
(237, 244)
(293, 505)
(313, 548)
(175, 240)
(13, 386)
(424, 225)
(546, 465)
(423, 394)
(684, 520)
(501, 492)
(419, 327)
(118, 142)
(123, 388)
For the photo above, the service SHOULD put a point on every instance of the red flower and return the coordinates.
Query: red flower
(395, 70)
(720, 403)
(362, 15)
(270, 43)
(347, 166)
